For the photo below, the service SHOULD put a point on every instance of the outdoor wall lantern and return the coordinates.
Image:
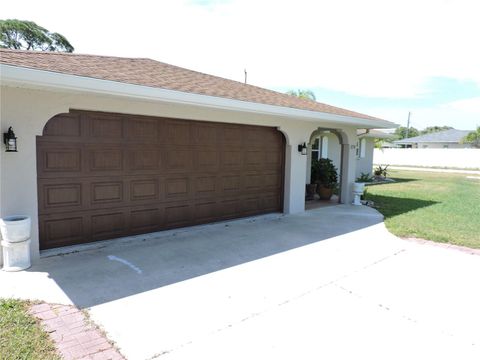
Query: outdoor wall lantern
(302, 149)
(10, 140)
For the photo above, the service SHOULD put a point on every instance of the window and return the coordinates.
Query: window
(445, 146)
(320, 148)
(360, 150)
(324, 148)
(315, 149)
(363, 146)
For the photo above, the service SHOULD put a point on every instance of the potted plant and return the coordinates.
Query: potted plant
(380, 172)
(310, 190)
(325, 175)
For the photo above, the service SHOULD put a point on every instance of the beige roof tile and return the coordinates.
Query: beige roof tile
(156, 74)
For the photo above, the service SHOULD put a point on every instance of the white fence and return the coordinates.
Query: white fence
(444, 158)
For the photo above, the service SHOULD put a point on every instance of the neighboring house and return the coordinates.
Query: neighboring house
(111, 147)
(448, 139)
(365, 147)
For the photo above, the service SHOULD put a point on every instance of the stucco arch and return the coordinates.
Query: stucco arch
(344, 158)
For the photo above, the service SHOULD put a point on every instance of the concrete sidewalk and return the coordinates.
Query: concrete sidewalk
(330, 283)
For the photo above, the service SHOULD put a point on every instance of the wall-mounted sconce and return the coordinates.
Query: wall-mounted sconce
(10, 140)
(302, 149)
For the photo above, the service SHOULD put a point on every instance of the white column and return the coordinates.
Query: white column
(295, 166)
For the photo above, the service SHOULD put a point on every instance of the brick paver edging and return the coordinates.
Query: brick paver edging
(74, 336)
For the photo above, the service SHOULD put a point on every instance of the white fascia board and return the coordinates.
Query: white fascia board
(40, 79)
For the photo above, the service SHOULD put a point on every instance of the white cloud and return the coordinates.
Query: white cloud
(471, 105)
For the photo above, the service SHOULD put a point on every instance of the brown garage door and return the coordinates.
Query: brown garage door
(103, 175)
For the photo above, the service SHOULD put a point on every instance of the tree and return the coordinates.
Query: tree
(433, 129)
(473, 138)
(26, 35)
(302, 94)
(401, 132)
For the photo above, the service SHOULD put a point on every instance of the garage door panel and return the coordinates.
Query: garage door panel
(231, 184)
(206, 159)
(178, 133)
(231, 136)
(205, 134)
(251, 205)
(253, 181)
(145, 219)
(141, 160)
(102, 176)
(141, 130)
(255, 159)
(61, 231)
(105, 160)
(65, 125)
(231, 159)
(144, 190)
(272, 181)
(230, 207)
(178, 160)
(205, 185)
(56, 160)
(60, 196)
(270, 202)
(102, 192)
(206, 211)
(177, 215)
(254, 136)
(273, 159)
(106, 126)
(108, 225)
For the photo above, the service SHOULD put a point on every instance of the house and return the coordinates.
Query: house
(111, 147)
(448, 139)
(365, 147)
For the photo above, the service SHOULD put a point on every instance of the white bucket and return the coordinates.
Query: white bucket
(16, 228)
(16, 256)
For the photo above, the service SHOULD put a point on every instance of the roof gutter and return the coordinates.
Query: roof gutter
(40, 79)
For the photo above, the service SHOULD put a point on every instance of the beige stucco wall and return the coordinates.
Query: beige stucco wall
(28, 110)
(365, 164)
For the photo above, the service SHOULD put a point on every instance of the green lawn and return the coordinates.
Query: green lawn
(442, 207)
(20, 335)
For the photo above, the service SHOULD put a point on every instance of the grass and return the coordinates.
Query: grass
(21, 337)
(442, 207)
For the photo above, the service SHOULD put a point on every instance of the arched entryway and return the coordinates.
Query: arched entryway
(328, 144)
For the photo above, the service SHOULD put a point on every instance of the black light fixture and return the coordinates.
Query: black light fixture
(302, 148)
(10, 140)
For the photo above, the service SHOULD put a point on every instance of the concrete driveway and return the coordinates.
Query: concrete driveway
(330, 283)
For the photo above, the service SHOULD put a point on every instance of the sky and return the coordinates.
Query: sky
(382, 58)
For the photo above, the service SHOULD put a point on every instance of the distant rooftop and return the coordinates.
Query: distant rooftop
(447, 136)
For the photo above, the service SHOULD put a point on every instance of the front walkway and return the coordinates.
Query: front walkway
(329, 283)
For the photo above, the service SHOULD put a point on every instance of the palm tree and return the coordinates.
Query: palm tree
(302, 94)
(473, 138)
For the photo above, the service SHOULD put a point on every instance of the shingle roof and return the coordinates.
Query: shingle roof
(373, 133)
(147, 72)
(450, 136)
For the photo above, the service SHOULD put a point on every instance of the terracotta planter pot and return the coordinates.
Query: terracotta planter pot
(325, 193)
